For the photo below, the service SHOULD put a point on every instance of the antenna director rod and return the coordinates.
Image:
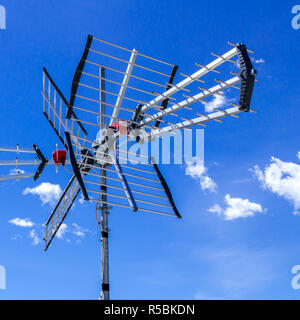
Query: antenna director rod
(199, 120)
(201, 72)
(198, 97)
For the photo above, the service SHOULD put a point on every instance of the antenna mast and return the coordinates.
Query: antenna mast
(101, 206)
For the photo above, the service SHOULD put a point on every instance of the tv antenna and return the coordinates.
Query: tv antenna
(112, 83)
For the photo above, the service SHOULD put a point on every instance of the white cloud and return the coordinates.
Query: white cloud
(257, 61)
(36, 234)
(24, 223)
(240, 208)
(196, 170)
(16, 171)
(216, 209)
(282, 178)
(63, 229)
(47, 192)
(27, 223)
(298, 155)
(78, 231)
(237, 208)
(218, 101)
(35, 238)
(75, 229)
(207, 183)
(81, 200)
(258, 173)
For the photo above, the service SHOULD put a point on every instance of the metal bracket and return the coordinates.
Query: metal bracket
(247, 76)
(75, 166)
(165, 102)
(166, 188)
(88, 159)
(124, 183)
(77, 76)
(43, 164)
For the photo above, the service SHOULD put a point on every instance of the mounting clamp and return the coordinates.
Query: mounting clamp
(43, 164)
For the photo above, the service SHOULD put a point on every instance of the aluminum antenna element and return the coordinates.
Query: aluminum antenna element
(75, 166)
(77, 76)
(40, 161)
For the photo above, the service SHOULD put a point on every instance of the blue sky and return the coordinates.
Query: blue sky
(204, 255)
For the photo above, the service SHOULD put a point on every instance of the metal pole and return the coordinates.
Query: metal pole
(104, 208)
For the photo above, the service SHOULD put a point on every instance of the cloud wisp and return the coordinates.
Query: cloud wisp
(36, 239)
(74, 232)
(15, 171)
(259, 61)
(256, 61)
(66, 232)
(79, 231)
(63, 229)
